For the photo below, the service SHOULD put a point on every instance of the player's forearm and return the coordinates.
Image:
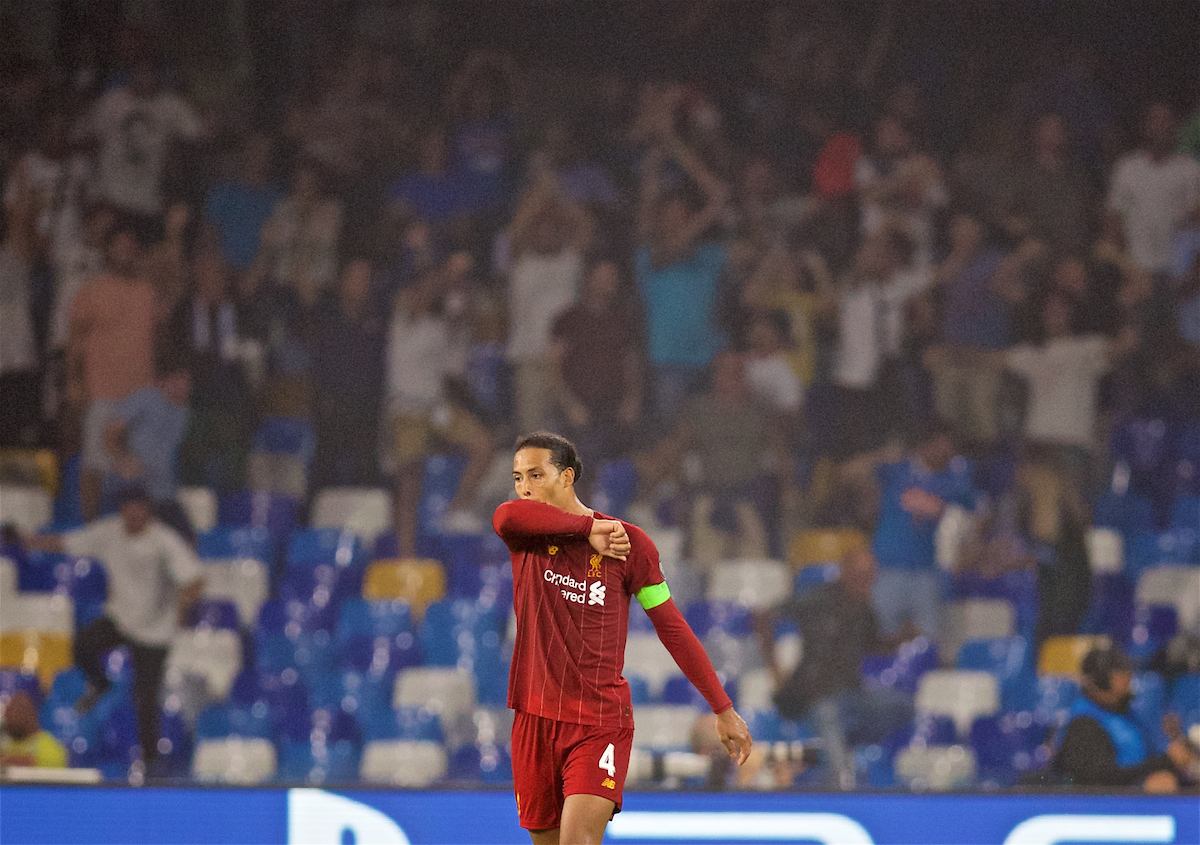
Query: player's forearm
(523, 518)
(689, 654)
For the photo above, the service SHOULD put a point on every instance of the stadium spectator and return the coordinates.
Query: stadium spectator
(135, 127)
(347, 355)
(433, 193)
(547, 240)
(18, 350)
(1103, 744)
(299, 241)
(677, 273)
(734, 456)
(768, 370)
(914, 495)
(1053, 202)
(211, 331)
(238, 207)
(153, 579)
(143, 442)
(1154, 191)
(840, 629)
(982, 286)
(23, 742)
(110, 352)
(426, 350)
(598, 371)
(899, 187)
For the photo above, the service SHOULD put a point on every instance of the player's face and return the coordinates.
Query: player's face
(538, 480)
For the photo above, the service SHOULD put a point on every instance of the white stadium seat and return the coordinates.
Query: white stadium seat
(235, 760)
(364, 511)
(1105, 551)
(975, 619)
(28, 508)
(446, 691)
(243, 581)
(213, 655)
(663, 727)
(403, 762)
(47, 612)
(200, 505)
(755, 690)
(752, 583)
(645, 655)
(963, 695)
(935, 767)
(1178, 586)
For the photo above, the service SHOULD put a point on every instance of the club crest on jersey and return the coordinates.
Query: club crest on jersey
(553, 550)
(594, 567)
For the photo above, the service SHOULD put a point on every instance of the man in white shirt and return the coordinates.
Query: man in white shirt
(426, 349)
(153, 580)
(1154, 191)
(547, 237)
(135, 127)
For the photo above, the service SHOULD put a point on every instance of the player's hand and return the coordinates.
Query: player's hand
(734, 735)
(609, 538)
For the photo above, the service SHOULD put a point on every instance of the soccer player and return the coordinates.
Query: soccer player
(574, 571)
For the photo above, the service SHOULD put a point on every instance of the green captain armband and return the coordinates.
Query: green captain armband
(653, 595)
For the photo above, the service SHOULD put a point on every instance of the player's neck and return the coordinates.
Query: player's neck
(573, 505)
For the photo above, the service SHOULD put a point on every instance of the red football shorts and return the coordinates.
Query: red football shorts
(552, 760)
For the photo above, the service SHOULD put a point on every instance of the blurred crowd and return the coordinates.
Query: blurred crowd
(815, 283)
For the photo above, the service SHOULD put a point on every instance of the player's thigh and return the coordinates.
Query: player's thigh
(584, 819)
(545, 837)
(596, 764)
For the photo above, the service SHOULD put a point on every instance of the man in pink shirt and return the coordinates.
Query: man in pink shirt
(110, 352)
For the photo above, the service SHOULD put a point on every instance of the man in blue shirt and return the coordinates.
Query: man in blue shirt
(677, 273)
(238, 208)
(914, 495)
(144, 443)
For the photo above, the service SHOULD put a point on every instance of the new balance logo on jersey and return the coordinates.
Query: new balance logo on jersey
(596, 593)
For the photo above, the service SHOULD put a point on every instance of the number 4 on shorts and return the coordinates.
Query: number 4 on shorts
(607, 762)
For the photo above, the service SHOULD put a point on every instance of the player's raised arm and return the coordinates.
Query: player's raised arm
(527, 518)
(675, 633)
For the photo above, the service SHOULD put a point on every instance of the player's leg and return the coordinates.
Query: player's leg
(537, 779)
(584, 819)
(593, 777)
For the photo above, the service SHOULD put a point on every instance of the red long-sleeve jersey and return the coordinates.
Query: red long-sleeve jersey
(572, 608)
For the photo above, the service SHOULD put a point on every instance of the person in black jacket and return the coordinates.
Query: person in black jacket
(1104, 744)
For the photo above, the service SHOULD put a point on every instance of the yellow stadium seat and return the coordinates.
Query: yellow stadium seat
(824, 545)
(1063, 655)
(45, 653)
(30, 466)
(419, 582)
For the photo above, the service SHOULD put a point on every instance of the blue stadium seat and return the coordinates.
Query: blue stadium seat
(639, 689)
(1185, 513)
(411, 723)
(615, 487)
(639, 622)
(314, 547)
(225, 542)
(902, 670)
(1111, 608)
(1158, 548)
(1056, 694)
(727, 617)
(1185, 699)
(174, 746)
(1011, 660)
(815, 576)
(1129, 513)
(286, 435)
(439, 483)
(1149, 704)
(679, 690)
(359, 617)
(1153, 627)
(360, 693)
(488, 763)
(13, 681)
(273, 512)
(117, 738)
(1008, 746)
(314, 596)
(314, 764)
(454, 629)
(382, 656)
